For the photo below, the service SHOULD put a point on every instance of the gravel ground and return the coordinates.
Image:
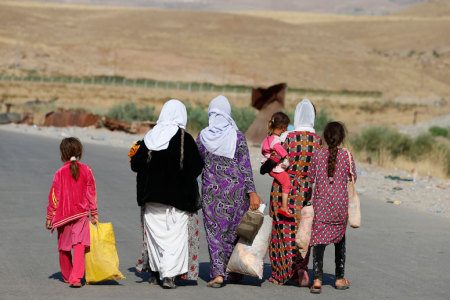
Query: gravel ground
(415, 130)
(423, 193)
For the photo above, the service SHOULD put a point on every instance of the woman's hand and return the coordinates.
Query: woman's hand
(255, 201)
(48, 224)
(94, 219)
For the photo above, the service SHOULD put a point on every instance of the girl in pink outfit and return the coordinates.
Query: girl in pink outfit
(277, 125)
(72, 196)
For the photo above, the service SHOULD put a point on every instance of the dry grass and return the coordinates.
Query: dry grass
(101, 98)
(431, 166)
(308, 18)
(320, 51)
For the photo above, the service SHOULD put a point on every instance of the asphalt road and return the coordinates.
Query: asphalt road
(397, 254)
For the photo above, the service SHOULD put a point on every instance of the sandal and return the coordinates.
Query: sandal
(344, 286)
(75, 285)
(168, 283)
(287, 214)
(316, 288)
(303, 278)
(274, 281)
(215, 283)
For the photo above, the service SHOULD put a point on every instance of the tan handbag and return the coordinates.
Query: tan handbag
(354, 209)
(303, 236)
(250, 224)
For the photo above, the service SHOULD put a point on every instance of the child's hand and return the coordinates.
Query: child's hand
(285, 163)
(94, 220)
(48, 224)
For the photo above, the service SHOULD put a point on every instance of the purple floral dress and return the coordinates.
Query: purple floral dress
(225, 186)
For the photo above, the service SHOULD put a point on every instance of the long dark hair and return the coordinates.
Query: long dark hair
(278, 119)
(69, 147)
(334, 134)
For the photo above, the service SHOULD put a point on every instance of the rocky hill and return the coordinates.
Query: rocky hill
(367, 7)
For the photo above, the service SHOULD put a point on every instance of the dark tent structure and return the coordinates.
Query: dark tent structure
(267, 101)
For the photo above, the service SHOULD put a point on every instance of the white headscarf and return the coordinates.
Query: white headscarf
(304, 116)
(220, 136)
(172, 117)
(303, 119)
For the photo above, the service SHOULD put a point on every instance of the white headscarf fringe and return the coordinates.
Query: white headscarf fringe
(172, 117)
(220, 137)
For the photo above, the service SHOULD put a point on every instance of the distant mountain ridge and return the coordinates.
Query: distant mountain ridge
(432, 8)
(359, 7)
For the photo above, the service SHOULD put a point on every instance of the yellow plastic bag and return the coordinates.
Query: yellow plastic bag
(102, 262)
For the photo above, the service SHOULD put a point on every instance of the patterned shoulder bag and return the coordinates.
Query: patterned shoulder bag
(354, 209)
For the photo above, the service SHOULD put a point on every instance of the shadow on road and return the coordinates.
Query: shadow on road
(247, 280)
(109, 282)
(204, 271)
(56, 276)
(144, 276)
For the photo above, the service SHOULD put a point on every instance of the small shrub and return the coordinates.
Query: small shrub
(130, 112)
(322, 118)
(436, 54)
(243, 117)
(447, 156)
(439, 131)
(374, 138)
(197, 117)
(422, 145)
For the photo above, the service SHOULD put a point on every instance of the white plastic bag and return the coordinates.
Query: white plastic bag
(303, 236)
(248, 258)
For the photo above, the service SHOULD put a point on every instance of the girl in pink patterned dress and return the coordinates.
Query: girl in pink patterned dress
(330, 170)
(277, 125)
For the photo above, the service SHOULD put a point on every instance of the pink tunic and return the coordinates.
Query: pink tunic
(73, 233)
(71, 199)
(70, 202)
(270, 144)
(330, 201)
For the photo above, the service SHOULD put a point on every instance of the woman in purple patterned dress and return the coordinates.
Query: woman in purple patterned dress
(227, 186)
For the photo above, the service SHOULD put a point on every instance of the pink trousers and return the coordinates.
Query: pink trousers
(72, 272)
(284, 180)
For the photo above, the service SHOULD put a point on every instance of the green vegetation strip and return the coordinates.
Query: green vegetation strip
(175, 85)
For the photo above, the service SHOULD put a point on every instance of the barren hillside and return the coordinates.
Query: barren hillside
(366, 7)
(432, 8)
(397, 55)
